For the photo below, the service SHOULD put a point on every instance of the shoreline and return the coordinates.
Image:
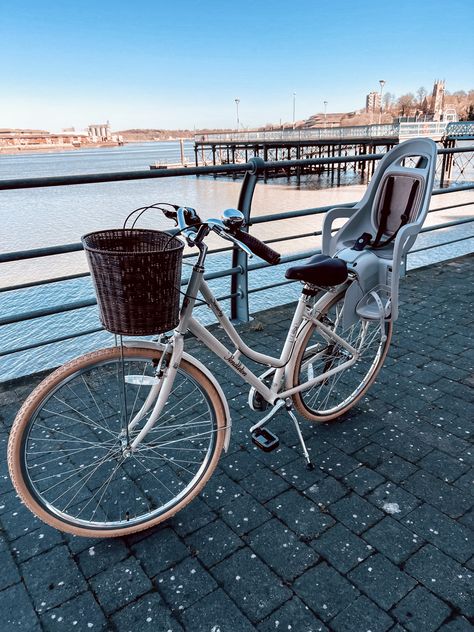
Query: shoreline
(49, 149)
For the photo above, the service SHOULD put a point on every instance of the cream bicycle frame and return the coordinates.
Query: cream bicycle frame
(303, 316)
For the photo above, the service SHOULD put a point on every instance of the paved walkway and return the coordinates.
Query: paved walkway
(377, 538)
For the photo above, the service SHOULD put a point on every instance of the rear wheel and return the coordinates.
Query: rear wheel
(66, 452)
(337, 394)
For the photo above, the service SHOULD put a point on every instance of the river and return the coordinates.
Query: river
(33, 218)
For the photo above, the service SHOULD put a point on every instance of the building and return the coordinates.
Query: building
(439, 106)
(372, 102)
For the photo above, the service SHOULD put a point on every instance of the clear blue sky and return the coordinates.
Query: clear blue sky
(182, 63)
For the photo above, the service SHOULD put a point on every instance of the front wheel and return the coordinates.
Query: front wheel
(67, 457)
(317, 354)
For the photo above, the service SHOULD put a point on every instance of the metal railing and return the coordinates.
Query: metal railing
(240, 268)
(401, 131)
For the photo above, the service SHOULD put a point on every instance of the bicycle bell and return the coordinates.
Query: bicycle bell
(232, 219)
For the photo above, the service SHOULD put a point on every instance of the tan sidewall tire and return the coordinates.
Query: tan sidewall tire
(43, 389)
(297, 400)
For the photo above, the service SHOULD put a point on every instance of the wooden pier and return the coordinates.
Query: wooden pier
(221, 152)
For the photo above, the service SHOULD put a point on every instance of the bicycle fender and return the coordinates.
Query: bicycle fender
(148, 344)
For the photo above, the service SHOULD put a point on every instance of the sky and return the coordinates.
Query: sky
(182, 63)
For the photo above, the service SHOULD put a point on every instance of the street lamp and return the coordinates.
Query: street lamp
(325, 108)
(294, 110)
(237, 101)
(382, 83)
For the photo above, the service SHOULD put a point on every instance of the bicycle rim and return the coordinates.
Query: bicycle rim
(340, 392)
(66, 454)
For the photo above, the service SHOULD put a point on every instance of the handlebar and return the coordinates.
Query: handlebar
(188, 222)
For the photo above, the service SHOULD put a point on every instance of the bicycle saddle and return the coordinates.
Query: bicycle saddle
(320, 270)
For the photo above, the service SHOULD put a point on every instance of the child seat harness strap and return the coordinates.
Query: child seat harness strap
(365, 239)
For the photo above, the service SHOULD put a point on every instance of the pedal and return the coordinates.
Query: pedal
(265, 440)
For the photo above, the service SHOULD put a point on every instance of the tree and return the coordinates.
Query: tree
(406, 103)
(421, 94)
(470, 113)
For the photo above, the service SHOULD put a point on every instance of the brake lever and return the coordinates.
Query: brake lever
(219, 228)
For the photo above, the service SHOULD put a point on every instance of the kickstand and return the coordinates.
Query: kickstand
(309, 463)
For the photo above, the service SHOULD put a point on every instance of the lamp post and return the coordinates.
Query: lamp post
(325, 110)
(237, 101)
(382, 83)
(294, 110)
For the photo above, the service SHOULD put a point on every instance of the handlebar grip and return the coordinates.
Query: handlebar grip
(258, 247)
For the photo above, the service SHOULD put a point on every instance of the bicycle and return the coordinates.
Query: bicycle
(78, 469)
(120, 439)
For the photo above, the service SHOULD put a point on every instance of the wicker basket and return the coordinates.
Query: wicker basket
(136, 275)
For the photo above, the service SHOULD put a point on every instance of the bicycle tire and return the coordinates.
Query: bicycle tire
(61, 412)
(324, 402)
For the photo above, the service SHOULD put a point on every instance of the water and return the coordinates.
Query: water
(34, 218)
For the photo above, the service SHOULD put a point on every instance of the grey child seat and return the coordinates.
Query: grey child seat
(382, 228)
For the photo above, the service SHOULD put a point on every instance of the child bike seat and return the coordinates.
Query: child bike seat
(319, 270)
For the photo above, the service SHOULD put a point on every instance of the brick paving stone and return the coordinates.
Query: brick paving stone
(192, 517)
(393, 540)
(396, 469)
(466, 482)
(373, 455)
(421, 610)
(220, 491)
(16, 610)
(213, 543)
(445, 533)
(459, 624)
(184, 584)
(393, 500)
(264, 484)
(362, 614)
(147, 614)
(455, 388)
(298, 476)
(341, 548)
(255, 589)
(216, 612)
(239, 464)
(444, 577)
(36, 542)
(9, 573)
(363, 480)
(336, 463)
(325, 591)
(300, 514)
(52, 578)
(244, 514)
(326, 492)
(81, 613)
(293, 615)
(280, 548)
(15, 518)
(120, 585)
(445, 467)
(282, 456)
(380, 580)
(347, 435)
(101, 556)
(159, 551)
(355, 513)
(404, 445)
(468, 519)
(446, 498)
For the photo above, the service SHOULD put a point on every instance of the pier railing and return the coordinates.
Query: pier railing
(401, 131)
(240, 268)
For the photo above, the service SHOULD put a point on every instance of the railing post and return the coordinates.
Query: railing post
(239, 303)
